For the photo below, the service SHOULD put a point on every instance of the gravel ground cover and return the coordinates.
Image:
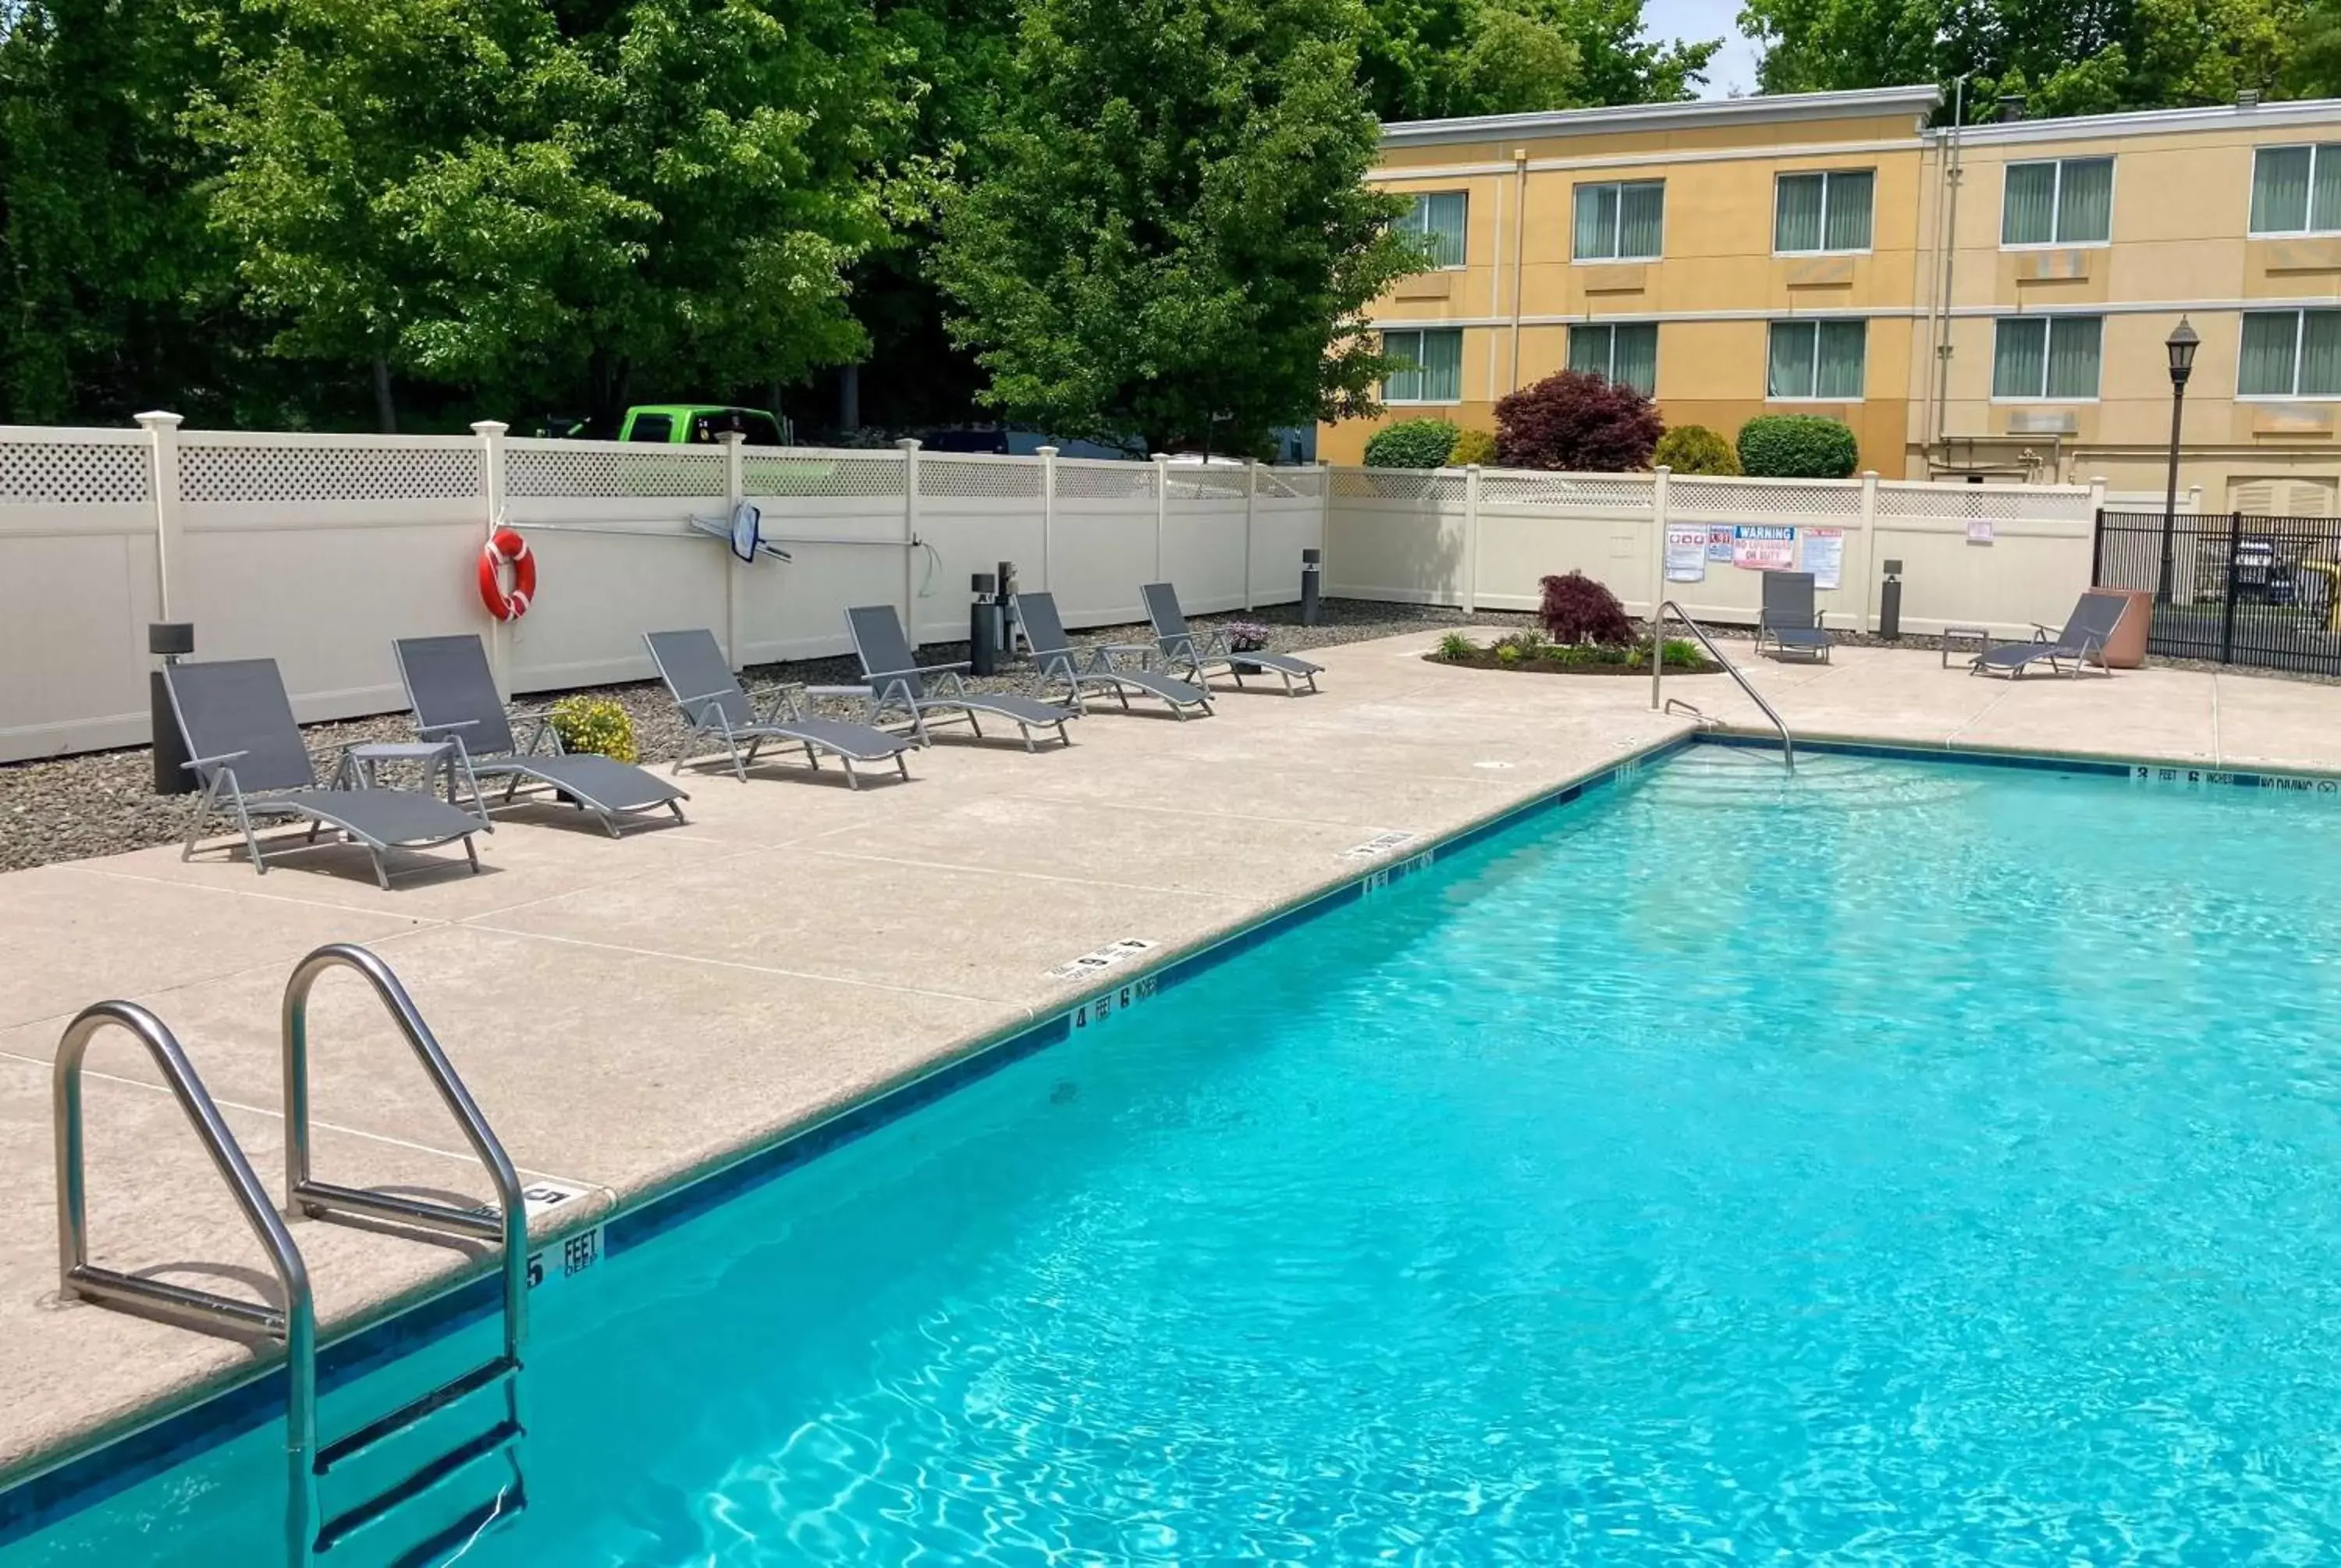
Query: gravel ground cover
(103, 803)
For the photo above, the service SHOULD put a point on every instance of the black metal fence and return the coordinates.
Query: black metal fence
(2231, 587)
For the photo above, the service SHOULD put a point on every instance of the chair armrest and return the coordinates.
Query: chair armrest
(916, 669)
(428, 730)
(215, 761)
(542, 718)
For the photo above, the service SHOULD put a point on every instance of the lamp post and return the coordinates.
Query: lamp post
(2180, 345)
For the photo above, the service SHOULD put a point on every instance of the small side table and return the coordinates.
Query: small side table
(1982, 634)
(361, 763)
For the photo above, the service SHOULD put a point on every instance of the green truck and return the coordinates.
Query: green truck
(686, 424)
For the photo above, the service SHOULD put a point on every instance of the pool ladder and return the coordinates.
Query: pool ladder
(1658, 667)
(308, 1536)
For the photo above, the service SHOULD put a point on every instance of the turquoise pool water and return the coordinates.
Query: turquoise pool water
(1901, 1164)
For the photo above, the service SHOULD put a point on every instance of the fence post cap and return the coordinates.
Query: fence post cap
(1663, 470)
(909, 443)
(489, 427)
(158, 419)
(1044, 451)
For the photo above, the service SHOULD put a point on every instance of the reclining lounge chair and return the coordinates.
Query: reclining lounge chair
(714, 704)
(1789, 622)
(1053, 652)
(2067, 652)
(1201, 652)
(453, 696)
(896, 679)
(238, 723)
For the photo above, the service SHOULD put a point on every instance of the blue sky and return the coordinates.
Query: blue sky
(1734, 66)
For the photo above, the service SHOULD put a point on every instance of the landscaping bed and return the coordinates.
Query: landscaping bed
(1531, 652)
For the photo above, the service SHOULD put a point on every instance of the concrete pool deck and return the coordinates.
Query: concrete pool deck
(629, 1012)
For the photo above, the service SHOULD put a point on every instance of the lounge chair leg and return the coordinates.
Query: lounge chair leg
(852, 779)
(902, 766)
(676, 807)
(1119, 692)
(1027, 730)
(609, 821)
(973, 724)
(1062, 739)
(381, 877)
(740, 769)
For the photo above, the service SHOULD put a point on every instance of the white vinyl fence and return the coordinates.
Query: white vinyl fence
(317, 550)
(1996, 556)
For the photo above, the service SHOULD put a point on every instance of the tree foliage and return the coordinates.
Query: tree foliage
(1798, 446)
(1575, 609)
(1428, 59)
(1694, 449)
(2093, 57)
(1173, 241)
(1412, 444)
(1576, 421)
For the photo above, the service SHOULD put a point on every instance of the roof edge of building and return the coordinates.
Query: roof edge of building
(1755, 111)
(2146, 122)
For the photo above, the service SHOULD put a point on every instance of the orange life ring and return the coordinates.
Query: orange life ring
(503, 546)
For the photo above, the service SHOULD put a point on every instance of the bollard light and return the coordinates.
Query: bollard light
(170, 640)
(1312, 569)
(1889, 601)
(984, 624)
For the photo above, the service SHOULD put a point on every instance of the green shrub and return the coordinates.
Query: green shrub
(1796, 446)
(1455, 645)
(1507, 653)
(1411, 443)
(1472, 446)
(594, 724)
(1694, 449)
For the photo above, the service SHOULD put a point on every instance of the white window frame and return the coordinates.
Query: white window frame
(1829, 178)
(1816, 323)
(2048, 346)
(1419, 197)
(1612, 327)
(2317, 151)
(2300, 335)
(2057, 202)
(1419, 333)
(1619, 186)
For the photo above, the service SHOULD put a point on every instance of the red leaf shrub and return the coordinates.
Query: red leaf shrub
(1576, 609)
(1580, 421)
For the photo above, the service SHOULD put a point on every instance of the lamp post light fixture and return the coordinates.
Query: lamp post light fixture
(2180, 344)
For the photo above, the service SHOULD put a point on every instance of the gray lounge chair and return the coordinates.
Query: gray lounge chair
(238, 723)
(1097, 665)
(2067, 652)
(453, 695)
(897, 680)
(1789, 622)
(712, 703)
(1200, 653)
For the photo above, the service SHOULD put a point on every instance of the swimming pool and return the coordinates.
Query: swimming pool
(1911, 1163)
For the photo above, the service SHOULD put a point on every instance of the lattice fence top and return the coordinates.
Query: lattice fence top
(1748, 500)
(976, 477)
(1291, 483)
(815, 473)
(244, 473)
(1981, 502)
(74, 474)
(1088, 479)
(1567, 492)
(1205, 481)
(557, 469)
(1435, 485)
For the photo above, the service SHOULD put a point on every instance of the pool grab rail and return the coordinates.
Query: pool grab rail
(295, 1326)
(1657, 669)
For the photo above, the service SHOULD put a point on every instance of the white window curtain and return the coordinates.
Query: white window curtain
(2325, 189)
(1634, 357)
(2320, 354)
(2073, 348)
(1797, 213)
(1439, 216)
(2040, 357)
(1788, 369)
(1404, 382)
(1839, 371)
(1589, 349)
(1849, 196)
(1597, 223)
(1817, 360)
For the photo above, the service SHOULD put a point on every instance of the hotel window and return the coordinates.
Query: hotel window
(1815, 359)
(1827, 211)
(2296, 190)
(1433, 370)
(1627, 355)
(2290, 353)
(2051, 358)
(1620, 221)
(2069, 202)
(1437, 216)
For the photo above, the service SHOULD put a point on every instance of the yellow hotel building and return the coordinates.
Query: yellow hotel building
(1990, 301)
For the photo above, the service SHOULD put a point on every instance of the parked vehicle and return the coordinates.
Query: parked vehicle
(700, 425)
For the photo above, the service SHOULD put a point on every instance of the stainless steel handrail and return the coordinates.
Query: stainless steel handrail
(1659, 664)
(295, 1326)
(306, 1195)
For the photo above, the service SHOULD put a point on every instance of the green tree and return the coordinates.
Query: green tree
(2093, 57)
(1434, 59)
(1173, 241)
(534, 200)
